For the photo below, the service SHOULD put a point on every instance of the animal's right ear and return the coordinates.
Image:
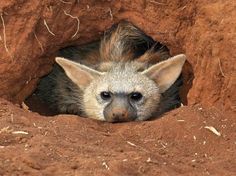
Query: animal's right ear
(166, 72)
(81, 75)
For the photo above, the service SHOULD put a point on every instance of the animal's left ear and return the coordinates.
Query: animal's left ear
(80, 74)
(166, 72)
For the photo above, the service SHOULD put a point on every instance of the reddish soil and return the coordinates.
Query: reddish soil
(178, 143)
(31, 32)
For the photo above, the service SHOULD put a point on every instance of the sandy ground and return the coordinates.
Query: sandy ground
(188, 141)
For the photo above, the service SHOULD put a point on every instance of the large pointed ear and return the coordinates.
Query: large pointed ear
(81, 75)
(166, 72)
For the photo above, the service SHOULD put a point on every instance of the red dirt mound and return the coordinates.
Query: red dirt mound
(31, 32)
(193, 140)
(178, 143)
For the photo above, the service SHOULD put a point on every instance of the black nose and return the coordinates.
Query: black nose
(120, 115)
(119, 110)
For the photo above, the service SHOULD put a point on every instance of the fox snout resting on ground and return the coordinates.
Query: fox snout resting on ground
(124, 77)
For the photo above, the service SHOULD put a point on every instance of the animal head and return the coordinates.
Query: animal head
(123, 93)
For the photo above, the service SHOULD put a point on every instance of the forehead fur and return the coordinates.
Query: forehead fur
(126, 77)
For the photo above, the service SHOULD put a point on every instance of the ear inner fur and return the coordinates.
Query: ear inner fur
(81, 75)
(165, 73)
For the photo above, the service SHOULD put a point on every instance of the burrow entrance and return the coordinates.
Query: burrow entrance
(77, 53)
(185, 27)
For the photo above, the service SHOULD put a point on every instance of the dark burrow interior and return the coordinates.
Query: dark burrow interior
(36, 104)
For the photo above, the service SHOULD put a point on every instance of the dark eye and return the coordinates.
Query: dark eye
(136, 96)
(105, 95)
